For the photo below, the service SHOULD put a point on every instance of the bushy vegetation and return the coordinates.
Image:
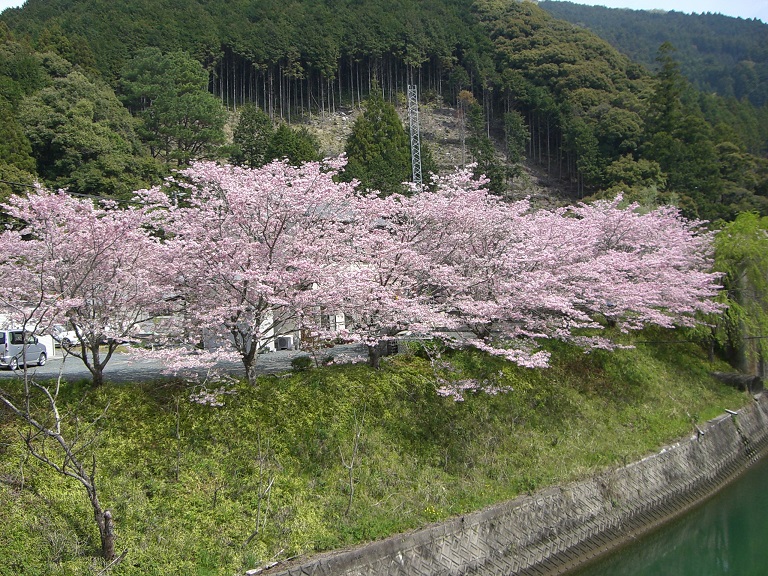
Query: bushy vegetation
(337, 455)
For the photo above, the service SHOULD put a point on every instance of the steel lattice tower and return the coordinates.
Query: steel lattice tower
(413, 121)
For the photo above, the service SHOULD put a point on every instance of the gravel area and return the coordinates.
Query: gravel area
(123, 367)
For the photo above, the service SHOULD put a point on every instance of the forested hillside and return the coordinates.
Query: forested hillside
(716, 53)
(525, 87)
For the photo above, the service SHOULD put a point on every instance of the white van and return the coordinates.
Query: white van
(14, 352)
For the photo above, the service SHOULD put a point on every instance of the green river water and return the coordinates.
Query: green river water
(728, 534)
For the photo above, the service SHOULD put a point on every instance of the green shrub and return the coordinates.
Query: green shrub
(301, 363)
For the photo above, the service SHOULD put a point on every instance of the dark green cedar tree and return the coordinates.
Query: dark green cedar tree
(251, 137)
(296, 145)
(378, 149)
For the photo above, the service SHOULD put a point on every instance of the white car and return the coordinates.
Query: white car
(63, 337)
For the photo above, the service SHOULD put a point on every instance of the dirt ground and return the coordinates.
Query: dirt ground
(440, 130)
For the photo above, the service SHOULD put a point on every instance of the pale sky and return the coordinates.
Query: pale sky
(737, 8)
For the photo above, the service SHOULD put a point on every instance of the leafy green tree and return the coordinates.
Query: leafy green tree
(295, 145)
(83, 138)
(17, 166)
(378, 149)
(251, 137)
(74, 48)
(21, 71)
(736, 166)
(180, 119)
(618, 131)
(741, 254)
(15, 147)
(628, 173)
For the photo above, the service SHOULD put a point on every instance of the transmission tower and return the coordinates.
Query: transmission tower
(413, 121)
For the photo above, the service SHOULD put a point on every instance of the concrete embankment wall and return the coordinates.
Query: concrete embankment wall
(554, 530)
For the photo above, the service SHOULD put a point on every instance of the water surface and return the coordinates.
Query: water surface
(728, 534)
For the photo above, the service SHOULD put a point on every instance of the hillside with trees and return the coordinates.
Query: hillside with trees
(717, 53)
(525, 86)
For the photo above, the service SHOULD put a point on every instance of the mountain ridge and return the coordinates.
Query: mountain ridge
(717, 53)
(592, 118)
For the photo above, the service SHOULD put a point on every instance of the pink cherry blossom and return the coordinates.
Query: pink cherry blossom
(255, 253)
(92, 268)
(233, 257)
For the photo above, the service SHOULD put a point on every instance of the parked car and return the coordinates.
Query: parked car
(66, 339)
(63, 337)
(18, 348)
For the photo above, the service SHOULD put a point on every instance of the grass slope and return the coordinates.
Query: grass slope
(202, 490)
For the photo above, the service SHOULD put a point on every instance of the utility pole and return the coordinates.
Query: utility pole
(413, 121)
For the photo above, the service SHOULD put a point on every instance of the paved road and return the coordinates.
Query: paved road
(123, 368)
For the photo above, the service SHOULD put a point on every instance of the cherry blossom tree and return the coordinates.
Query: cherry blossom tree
(256, 252)
(393, 282)
(460, 264)
(476, 271)
(552, 274)
(31, 275)
(94, 268)
(241, 256)
(638, 268)
(507, 286)
(23, 303)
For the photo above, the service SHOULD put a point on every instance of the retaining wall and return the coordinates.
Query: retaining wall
(554, 530)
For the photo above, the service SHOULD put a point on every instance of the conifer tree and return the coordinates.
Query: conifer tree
(297, 146)
(180, 119)
(251, 137)
(378, 150)
(517, 137)
(681, 141)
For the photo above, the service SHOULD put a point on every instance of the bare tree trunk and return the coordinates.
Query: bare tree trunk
(103, 520)
(374, 357)
(46, 442)
(95, 363)
(353, 458)
(249, 362)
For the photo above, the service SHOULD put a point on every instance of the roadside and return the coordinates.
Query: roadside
(123, 367)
